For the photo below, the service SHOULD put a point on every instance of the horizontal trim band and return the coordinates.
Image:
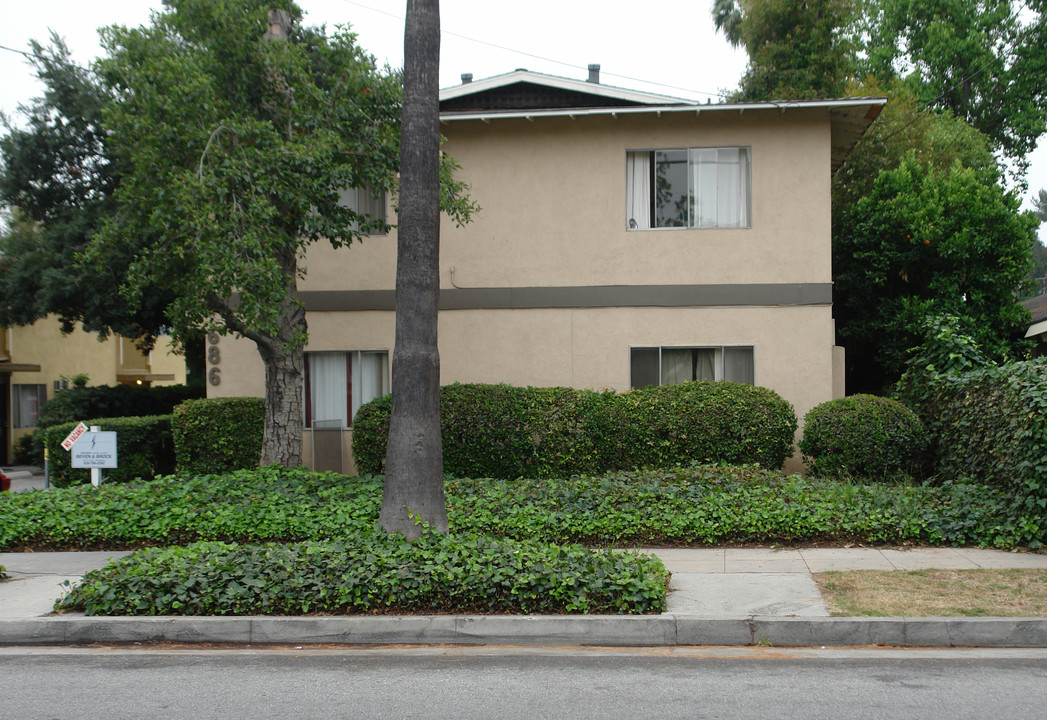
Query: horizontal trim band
(525, 298)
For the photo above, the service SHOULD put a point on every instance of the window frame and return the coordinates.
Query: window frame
(719, 368)
(350, 198)
(689, 153)
(353, 363)
(17, 421)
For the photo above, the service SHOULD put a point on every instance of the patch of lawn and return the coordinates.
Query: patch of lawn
(935, 593)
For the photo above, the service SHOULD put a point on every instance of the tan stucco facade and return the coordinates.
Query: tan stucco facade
(547, 286)
(108, 362)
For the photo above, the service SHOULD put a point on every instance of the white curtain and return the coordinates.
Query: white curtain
(638, 190)
(719, 187)
(676, 366)
(373, 377)
(327, 379)
(706, 365)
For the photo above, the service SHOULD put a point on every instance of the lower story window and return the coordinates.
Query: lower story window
(338, 383)
(26, 401)
(672, 365)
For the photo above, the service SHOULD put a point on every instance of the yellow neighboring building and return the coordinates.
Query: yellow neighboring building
(625, 239)
(36, 361)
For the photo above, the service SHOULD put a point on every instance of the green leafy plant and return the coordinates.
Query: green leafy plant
(143, 444)
(706, 504)
(864, 436)
(507, 432)
(993, 426)
(373, 573)
(101, 401)
(216, 435)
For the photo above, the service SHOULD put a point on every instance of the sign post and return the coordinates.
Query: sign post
(95, 450)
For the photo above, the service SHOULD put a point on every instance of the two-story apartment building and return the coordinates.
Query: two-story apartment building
(625, 239)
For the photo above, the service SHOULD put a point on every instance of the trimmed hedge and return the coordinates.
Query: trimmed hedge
(144, 450)
(214, 435)
(991, 424)
(500, 431)
(100, 401)
(864, 436)
(373, 573)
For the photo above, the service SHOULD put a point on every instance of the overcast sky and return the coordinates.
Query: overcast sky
(664, 46)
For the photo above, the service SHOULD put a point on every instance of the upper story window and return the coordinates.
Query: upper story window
(367, 202)
(688, 188)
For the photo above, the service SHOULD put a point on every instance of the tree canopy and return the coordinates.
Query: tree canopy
(964, 81)
(58, 178)
(927, 242)
(796, 48)
(982, 60)
(220, 138)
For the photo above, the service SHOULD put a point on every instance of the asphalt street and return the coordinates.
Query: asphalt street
(258, 683)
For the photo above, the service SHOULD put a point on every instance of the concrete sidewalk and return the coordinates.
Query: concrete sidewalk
(720, 596)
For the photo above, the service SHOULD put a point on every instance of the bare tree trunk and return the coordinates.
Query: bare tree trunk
(414, 456)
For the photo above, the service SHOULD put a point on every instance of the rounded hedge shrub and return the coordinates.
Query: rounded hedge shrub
(500, 431)
(216, 435)
(864, 436)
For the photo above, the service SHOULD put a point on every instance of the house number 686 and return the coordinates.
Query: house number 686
(214, 356)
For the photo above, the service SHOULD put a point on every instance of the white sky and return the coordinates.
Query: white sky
(669, 48)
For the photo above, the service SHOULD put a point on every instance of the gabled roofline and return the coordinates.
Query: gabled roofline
(560, 83)
(874, 103)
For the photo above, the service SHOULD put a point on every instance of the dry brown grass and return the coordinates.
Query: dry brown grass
(935, 593)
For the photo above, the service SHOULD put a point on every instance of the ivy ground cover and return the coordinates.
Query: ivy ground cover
(681, 507)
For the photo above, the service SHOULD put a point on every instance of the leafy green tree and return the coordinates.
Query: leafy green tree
(414, 482)
(1038, 277)
(1039, 204)
(982, 60)
(927, 242)
(237, 128)
(936, 140)
(798, 49)
(58, 178)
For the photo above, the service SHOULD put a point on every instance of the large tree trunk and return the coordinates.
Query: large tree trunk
(283, 360)
(414, 456)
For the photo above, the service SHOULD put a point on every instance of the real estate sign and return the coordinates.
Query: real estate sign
(95, 449)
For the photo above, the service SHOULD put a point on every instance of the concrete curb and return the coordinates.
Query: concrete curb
(532, 630)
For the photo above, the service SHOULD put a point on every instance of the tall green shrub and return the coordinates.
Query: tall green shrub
(144, 449)
(993, 427)
(215, 435)
(866, 437)
(502, 431)
(706, 422)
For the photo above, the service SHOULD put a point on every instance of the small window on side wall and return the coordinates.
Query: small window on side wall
(688, 188)
(369, 204)
(672, 365)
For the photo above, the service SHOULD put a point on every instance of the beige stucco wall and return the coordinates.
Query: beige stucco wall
(585, 348)
(552, 193)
